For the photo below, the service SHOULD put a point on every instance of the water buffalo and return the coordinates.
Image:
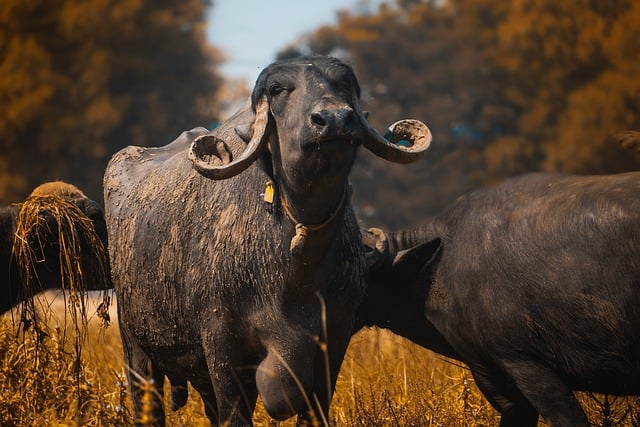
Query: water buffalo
(236, 256)
(56, 215)
(534, 284)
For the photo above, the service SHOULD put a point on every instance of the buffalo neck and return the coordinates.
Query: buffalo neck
(320, 222)
(308, 245)
(310, 238)
(316, 202)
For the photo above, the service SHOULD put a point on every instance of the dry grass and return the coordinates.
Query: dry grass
(385, 381)
(44, 220)
(44, 380)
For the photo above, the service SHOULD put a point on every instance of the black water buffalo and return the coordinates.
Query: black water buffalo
(236, 256)
(39, 268)
(534, 283)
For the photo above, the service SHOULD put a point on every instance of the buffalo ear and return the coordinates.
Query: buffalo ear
(376, 247)
(411, 263)
(244, 131)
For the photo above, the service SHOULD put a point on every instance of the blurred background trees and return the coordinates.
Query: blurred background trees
(80, 79)
(506, 88)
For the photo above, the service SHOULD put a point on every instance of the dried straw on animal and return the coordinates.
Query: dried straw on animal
(46, 220)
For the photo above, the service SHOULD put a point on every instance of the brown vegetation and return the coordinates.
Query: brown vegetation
(81, 79)
(384, 381)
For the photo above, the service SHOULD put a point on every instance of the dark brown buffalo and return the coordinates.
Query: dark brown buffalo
(534, 283)
(40, 268)
(236, 254)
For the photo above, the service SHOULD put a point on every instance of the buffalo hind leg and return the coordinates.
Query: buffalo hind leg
(515, 410)
(548, 394)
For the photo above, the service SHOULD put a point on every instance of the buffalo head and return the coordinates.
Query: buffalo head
(305, 115)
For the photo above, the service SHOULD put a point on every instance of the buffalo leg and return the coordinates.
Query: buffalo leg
(145, 384)
(326, 369)
(236, 398)
(205, 389)
(549, 394)
(515, 410)
(233, 390)
(320, 396)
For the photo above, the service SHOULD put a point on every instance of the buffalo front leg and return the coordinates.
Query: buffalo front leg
(145, 383)
(232, 387)
(325, 375)
(331, 348)
(179, 394)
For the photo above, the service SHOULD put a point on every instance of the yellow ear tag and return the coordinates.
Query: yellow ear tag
(268, 192)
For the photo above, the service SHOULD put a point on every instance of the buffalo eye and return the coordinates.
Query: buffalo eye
(276, 89)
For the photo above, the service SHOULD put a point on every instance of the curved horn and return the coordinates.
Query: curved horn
(404, 142)
(206, 148)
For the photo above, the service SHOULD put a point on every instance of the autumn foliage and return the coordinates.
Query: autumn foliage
(506, 88)
(80, 79)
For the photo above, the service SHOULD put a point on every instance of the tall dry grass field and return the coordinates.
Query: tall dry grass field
(385, 381)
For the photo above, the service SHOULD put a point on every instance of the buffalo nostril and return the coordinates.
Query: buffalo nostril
(333, 118)
(318, 119)
(345, 116)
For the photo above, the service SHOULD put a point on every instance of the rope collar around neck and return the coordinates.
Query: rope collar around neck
(302, 230)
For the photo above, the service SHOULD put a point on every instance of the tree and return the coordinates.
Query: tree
(415, 61)
(572, 75)
(80, 79)
(506, 88)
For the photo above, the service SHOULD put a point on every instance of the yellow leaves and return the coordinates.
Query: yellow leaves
(356, 35)
(508, 156)
(77, 17)
(593, 114)
(79, 79)
(26, 81)
(622, 46)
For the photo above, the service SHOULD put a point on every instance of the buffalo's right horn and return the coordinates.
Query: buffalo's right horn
(404, 142)
(207, 147)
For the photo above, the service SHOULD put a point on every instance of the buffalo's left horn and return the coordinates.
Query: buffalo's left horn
(211, 146)
(404, 142)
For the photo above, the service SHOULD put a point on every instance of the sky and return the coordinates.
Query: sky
(251, 32)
